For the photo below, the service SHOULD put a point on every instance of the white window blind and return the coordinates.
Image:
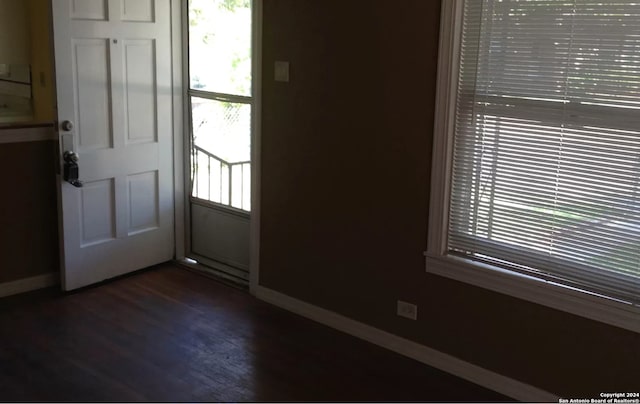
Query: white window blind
(546, 166)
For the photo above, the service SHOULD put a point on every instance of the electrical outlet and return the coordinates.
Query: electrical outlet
(407, 310)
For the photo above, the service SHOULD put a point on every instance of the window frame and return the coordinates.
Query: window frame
(566, 298)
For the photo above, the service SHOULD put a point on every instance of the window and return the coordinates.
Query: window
(537, 156)
(220, 96)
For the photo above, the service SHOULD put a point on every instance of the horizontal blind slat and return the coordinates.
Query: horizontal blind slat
(546, 167)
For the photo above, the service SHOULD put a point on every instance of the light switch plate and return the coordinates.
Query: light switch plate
(281, 71)
(5, 70)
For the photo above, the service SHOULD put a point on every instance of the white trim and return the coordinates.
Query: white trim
(256, 132)
(186, 128)
(212, 95)
(537, 290)
(29, 284)
(447, 363)
(178, 129)
(27, 134)
(230, 210)
(444, 123)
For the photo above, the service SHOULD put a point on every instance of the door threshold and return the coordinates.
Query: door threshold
(212, 272)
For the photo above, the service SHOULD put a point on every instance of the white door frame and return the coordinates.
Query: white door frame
(256, 147)
(182, 141)
(177, 60)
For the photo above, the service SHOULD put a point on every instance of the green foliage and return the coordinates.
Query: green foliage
(231, 5)
(195, 15)
(203, 30)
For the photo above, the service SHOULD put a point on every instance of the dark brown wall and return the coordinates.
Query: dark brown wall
(345, 168)
(28, 210)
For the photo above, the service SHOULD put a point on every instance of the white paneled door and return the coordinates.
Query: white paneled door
(114, 91)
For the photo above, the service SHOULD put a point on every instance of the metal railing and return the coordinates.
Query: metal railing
(217, 180)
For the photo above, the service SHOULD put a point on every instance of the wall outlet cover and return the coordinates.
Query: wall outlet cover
(407, 310)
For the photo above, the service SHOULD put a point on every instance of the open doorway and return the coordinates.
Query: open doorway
(221, 107)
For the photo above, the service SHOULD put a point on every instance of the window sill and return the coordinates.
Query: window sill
(529, 288)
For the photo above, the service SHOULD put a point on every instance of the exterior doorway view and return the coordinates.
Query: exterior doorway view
(221, 106)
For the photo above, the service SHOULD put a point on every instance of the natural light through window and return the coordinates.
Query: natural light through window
(221, 101)
(546, 162)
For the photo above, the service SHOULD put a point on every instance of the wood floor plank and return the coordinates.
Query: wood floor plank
(167, 334)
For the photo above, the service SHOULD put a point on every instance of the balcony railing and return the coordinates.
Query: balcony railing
(217, 180)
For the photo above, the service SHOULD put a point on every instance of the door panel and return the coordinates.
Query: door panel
(140, 110)
(91, 82)
(137, 10)
(98, 212)
(143, 202)
(113, 66)
(88, 9)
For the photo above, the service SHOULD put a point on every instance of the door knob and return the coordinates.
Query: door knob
(70, 157)
(67, 126)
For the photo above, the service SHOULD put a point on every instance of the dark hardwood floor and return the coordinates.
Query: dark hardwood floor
(167, 334)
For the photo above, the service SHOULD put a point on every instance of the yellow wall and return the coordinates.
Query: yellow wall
(28, 211)
(14, 37)
(25, 38)
(41, 60)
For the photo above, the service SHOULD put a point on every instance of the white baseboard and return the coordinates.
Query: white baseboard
(29, 284)
(447, 363)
